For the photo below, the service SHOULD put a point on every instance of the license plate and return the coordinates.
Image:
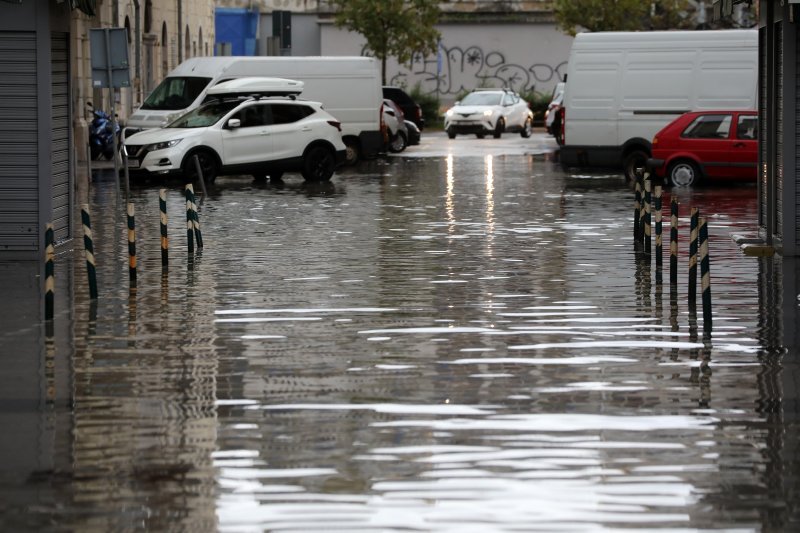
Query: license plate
(133, 163)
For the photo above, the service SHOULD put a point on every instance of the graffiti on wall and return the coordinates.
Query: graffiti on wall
(455, 70)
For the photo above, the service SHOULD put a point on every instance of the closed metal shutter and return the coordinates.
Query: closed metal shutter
(62, 190)
(763, 171)
(19, 176)
(779, 70)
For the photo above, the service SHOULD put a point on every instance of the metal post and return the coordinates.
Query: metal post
(705, 275)
(695, 214)
(131, 245)
(200, 177)
(673, 242)
(88, 250)
(637, 207)
(189, 221)
(647, 207)
(107, 32)
(49, 272)
(659, 261)
(195, 217)
(162, 206)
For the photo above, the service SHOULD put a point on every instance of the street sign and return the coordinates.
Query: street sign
(109, 57)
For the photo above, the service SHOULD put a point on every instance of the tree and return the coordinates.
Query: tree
(623, 15)
(392, 28)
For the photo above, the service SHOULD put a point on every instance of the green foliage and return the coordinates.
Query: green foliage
(622, 15)
(538, 102)
(429, 103)
(392, 28)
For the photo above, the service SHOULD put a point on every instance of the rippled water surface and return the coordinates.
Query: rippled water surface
(437, 344)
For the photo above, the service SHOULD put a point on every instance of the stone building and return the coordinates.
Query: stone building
(44, 58)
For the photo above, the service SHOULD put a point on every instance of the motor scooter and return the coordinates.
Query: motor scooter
(101, 140)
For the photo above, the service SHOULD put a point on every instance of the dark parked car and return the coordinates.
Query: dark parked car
(411, 109)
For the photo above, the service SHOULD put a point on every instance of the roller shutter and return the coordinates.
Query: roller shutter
(19, 180)
(62, 191)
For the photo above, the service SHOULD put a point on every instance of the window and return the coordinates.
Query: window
(253, 116)
(176, 93)
(709, 127)
(747, 127)
(288, 113)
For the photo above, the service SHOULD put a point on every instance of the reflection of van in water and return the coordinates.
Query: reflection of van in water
(348, 87)
(623, 87)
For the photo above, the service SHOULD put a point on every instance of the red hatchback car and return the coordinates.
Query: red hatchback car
(713, 145)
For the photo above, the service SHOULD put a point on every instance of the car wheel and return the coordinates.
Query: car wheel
(479, 135)
(318, 164)
(633, 160)
(399, 143)
(353, 152)
(683, 173)
(208, 165)
(451, 133)
(527, 129)
(499, 127)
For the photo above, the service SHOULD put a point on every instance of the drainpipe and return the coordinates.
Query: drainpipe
(137, 33)
(180, 31)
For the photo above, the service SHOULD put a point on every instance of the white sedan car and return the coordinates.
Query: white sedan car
(489, 111)
(261, 136)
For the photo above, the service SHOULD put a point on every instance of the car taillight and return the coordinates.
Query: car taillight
(336, 124)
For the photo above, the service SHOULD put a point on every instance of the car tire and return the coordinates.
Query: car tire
(208, 164)
(318, 164)
(480, 135)
(633, 160)
(450, 133)
(527, 129)
(683, 173)
(498, 129)
(353, 151)
(398, 143)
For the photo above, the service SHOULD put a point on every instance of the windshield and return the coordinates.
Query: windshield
(482, 99)
(205, 115)
(176, 93)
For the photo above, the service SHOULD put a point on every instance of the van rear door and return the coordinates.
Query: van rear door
(591, 98)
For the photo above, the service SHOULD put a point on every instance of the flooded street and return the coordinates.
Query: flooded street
(458, 339)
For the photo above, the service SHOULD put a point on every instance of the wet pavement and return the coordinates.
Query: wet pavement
(459, 338)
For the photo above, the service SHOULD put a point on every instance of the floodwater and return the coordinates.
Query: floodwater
(465, 343)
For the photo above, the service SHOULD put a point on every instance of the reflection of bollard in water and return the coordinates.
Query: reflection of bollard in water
(693, 256)
(647, 208)
(673, 242)
(49, 272)
(88, 250)
(131, 245)
(705, 274)
(162, 207)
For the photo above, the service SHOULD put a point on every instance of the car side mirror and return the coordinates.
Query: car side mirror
(234, 123)
(389, 112)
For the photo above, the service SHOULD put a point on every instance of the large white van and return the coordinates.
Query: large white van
(348, 87)
(623, 87)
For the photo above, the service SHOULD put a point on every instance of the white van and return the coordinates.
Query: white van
(348, 87)
(623, 87)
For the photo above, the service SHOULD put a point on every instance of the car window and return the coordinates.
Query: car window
(482, 99)
(253, 116)
(709, 127)
(176, 93)
(288, 113)
(746, 127)
(205, 115)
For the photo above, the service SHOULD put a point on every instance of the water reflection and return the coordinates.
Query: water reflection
(441, 344)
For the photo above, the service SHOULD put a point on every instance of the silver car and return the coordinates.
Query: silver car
(489, 111)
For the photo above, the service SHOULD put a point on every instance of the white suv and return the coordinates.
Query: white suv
(262, 136)
(489, 111)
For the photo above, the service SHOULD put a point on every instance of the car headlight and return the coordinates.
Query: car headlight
(162, 145)
(449, 113)
(488, 113)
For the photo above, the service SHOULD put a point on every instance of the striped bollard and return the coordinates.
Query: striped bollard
(195, 218)
(659, 239)
(162, 207)
(189, 221)
(647, 206)
(88, 251)
(131, 245)
(695, 214)
(641, 210)
(49, 272)
(673, 242)
(637, 207)
(705, 274)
